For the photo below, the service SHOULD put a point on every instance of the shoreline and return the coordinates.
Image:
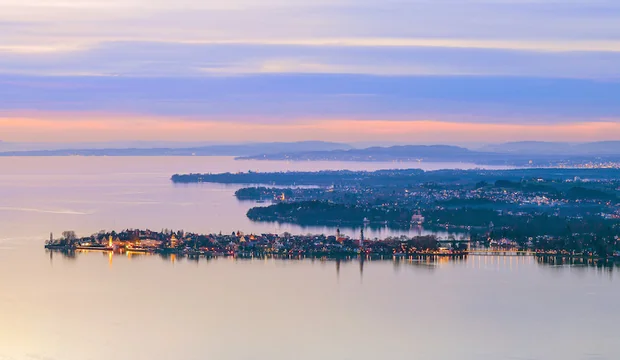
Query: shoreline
(238, 244)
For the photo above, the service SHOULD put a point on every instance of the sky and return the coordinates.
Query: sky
(416, 71)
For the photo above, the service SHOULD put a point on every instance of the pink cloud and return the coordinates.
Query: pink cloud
(67, 127)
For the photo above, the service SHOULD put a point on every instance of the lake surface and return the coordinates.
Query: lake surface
(99, 306)
(87, 194)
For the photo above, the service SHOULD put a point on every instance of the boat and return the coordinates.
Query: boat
(99, 247)
(139, 249)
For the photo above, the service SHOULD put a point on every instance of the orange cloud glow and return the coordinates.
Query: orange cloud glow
(105, 127)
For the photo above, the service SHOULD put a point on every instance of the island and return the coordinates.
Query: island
(240, 244)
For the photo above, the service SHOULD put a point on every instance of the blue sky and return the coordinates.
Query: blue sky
(77, 67)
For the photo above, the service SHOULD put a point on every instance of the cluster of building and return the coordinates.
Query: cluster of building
(238, 243)
(494, 195)
(377, 196)
(422, 197)
(590, 165)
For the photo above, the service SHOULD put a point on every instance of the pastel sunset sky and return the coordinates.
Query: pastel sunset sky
(410, 71)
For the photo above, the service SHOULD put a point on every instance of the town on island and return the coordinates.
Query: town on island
(238, 244)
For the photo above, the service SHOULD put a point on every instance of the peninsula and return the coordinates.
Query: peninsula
(572, 210)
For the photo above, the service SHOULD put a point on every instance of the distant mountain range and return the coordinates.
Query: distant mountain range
(30, 146)
(514, 153)
(208, 150)
(505, 154)
(376, 153)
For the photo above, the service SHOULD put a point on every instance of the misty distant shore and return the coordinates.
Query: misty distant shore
(535, 154)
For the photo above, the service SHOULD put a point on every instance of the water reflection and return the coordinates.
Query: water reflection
(431, 263)
(559, 263)
(373, 230)
(66, 254)
(427, 262)
(398, 302)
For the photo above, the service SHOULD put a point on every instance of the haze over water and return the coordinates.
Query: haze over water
(88, 194)
(146, 307)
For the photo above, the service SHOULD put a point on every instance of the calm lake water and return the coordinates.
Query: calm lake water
(87, 194)
(95, 306)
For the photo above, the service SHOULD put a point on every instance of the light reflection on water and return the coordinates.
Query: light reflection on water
(104, 306)
(507, 262)
(100, 305)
